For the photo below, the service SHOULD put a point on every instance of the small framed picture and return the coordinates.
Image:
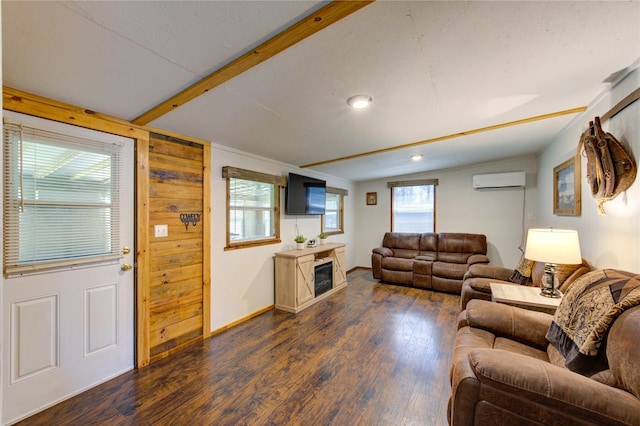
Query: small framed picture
(372, 198)
(567, 197)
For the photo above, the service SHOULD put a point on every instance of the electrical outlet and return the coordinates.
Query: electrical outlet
(160, 231)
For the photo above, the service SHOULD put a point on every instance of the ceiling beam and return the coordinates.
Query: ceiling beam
(317, 21)
(451, 136)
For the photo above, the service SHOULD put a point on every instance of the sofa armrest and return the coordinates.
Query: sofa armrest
(483, 285)
(521, 325)
(478, 259)
(488, 271)
(383, 251)
(547, 385)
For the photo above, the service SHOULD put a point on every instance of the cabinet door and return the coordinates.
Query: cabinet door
(305, 282)
(339, 267)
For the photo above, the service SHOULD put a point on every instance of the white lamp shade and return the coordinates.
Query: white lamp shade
(559, 246)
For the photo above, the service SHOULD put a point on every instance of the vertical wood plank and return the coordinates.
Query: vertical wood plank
(206, 240)
(143, 282)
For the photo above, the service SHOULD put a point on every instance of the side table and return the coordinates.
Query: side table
(523, 296)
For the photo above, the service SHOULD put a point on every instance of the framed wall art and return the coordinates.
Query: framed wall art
(372, 198)
(567, 199)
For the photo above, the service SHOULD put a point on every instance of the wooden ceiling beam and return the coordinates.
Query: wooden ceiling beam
(451, 136)
(315, 22)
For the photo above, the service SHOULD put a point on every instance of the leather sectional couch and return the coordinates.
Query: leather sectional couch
(435, 261)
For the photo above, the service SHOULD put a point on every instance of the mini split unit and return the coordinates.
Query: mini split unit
(499, 180)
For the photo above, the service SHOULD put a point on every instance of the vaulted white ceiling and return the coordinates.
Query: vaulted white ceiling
(433, 69)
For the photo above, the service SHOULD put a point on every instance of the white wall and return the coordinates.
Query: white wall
(611, 241)
(242, 280)
(499, 214)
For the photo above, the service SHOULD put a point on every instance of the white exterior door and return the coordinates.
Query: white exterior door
(72, 327)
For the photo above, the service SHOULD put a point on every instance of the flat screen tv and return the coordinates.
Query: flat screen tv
(305, 195)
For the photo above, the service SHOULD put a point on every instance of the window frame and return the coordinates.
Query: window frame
(421, 182)
(278, 182)
(62, 136)
(340, 212)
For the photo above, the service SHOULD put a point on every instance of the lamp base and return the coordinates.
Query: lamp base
(550, 282)
(550, 292)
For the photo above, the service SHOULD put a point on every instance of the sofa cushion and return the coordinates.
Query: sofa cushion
(429, 246)
(397, 263)
(449, 270)
(457, 247)
(402, 240)
(519, 348)
(452, 258)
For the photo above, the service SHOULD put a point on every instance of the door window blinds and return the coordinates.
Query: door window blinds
(61, 199)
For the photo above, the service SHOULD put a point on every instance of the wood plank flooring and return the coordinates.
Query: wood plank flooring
(371, 354)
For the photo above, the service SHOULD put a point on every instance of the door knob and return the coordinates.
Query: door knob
(126, 267)
(126, 250)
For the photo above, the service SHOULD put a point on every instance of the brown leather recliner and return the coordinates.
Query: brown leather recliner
(504, 372)
(477, 279)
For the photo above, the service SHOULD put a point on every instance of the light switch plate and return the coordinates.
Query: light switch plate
(161, 231)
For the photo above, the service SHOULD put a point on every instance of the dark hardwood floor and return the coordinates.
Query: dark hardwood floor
(372, 354)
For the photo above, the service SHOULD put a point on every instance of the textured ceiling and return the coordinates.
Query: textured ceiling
(432, 68)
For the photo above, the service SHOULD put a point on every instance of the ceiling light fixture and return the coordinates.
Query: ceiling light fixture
(359, 101)
(416, 157)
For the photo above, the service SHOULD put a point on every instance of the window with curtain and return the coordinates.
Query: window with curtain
(253, 207)
(61, 199)
(413, 206)
(332, 222)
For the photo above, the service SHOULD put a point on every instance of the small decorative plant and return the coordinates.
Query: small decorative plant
(323, 235)
(299, 239)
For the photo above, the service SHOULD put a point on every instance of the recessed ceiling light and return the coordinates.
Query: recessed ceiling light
(416, 157)
(359, 101)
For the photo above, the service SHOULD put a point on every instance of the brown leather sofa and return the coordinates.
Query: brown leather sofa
(504, 372)
(477, 279)
(435, 261)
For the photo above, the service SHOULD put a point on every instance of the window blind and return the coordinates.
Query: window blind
(61, 199)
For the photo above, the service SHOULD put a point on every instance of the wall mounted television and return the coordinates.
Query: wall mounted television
(305, 195)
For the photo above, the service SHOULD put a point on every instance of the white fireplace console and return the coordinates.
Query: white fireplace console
(295, 277)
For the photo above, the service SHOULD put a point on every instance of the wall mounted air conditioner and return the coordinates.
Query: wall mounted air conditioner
(499, 180)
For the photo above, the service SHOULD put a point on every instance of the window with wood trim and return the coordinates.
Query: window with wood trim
(413, 205)
(253, 207)
(332, 222)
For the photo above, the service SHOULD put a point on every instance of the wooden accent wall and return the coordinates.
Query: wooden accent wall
(176, 297)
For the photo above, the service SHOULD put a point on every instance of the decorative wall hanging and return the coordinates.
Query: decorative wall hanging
(610, 169)
(567, 193)
(189, 218)
(372, 198)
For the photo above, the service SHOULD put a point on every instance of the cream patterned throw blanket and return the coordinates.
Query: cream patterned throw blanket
(587, 310)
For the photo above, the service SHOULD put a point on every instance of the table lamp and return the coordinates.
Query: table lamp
(552, 246)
